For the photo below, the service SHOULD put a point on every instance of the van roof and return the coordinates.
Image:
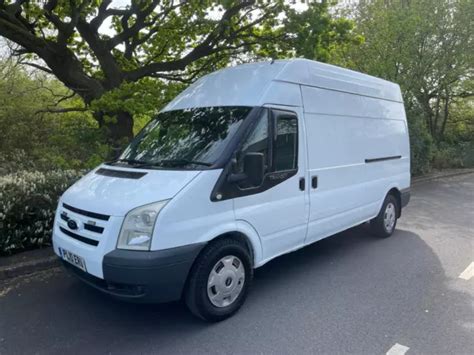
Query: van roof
(248, 84)
(327, 76)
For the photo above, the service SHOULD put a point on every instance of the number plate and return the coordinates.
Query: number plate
(73, 259)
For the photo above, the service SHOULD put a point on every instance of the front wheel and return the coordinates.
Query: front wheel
(384, 224)
(219, 280)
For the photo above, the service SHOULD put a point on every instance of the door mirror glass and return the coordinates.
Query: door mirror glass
(254, 166)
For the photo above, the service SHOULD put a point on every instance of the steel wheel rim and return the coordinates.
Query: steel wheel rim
(389, 217)
(226, 281)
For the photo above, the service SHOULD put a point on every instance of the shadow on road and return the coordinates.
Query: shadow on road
(348, 293)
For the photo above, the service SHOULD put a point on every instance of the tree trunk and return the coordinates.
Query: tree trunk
(446, 116)
(437, 113)
(118, 128)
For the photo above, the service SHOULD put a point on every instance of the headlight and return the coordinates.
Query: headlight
(138, 225)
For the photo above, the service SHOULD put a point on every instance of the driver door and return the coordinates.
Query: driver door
(278, 207)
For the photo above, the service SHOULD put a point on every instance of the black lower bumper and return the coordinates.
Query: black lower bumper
(405, 197)
(138, 276)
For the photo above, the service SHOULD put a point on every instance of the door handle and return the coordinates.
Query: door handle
(302, 184)
(314, 182)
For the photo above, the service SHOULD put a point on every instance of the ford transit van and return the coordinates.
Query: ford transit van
(246, 164)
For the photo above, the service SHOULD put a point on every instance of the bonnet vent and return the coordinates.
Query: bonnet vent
(120, 173)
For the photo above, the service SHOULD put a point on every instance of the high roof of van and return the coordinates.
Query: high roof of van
(260, 83)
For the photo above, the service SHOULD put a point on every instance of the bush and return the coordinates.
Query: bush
(421, 145)
(458, 155)
(28, 202)
(16, 160)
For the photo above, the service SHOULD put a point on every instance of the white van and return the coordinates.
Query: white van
(246, 164)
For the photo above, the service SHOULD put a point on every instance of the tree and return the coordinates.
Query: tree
(152, 44)
(426, 46)
(317, 33)
(33, 139)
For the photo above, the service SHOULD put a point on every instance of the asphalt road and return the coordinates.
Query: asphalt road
(351, 293)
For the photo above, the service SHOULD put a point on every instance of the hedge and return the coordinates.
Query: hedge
(28, 201)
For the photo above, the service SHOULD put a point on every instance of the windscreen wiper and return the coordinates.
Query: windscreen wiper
(128, 161)
(138, 163)
(183, 162)
(143, 164)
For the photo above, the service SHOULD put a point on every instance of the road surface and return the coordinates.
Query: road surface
(351, 293)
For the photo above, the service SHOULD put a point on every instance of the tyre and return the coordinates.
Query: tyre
(384, 224)
(219, 280)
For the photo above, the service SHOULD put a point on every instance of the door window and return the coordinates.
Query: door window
(274, 134)
(281, 152)
(257, 141)
(285, 141)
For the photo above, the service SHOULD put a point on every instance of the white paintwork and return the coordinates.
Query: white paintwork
(92, 255)
(344, 117)
(347, 129)
(279, 214)
(398, 349)
(468, 273)
(116, 196)
(262, 83)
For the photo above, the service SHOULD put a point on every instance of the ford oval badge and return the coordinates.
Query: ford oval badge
(72, 224)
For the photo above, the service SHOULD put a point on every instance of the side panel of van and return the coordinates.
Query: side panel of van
(357, 150)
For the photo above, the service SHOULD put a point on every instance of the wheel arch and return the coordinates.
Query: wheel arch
(238, 236)
(395, 192)
(241, 231)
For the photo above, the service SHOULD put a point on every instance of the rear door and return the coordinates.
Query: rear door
(278, 208)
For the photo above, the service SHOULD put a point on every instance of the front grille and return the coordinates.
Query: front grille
(93, 228)
(79, 237)
(89, 226)
(100, 216)
(85, 226)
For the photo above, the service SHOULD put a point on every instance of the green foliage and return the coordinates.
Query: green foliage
(317, 34)
(169, 41)
(454, 155)
(421, 145)
(28, 202)
(32, 139)
(460, 127)
(425, 46)
(142, 99)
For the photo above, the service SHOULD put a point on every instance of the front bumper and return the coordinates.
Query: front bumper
(138, 276)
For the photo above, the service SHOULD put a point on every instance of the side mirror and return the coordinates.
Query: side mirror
(254, 167)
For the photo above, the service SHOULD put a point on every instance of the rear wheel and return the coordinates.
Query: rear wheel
(219, 280)
(384, 224)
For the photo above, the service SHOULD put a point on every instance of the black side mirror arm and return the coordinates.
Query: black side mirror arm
(233, 178)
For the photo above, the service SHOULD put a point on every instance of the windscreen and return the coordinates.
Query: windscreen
(188, 138)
